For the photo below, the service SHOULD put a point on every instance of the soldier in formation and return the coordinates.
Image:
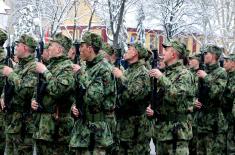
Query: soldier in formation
(95, 108)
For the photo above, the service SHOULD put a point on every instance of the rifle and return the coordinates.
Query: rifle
(201, 87)
(79, 88)
(154, 81)
(8, 88)
(41, 85)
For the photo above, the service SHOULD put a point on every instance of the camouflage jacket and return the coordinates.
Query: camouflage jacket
(135, 85)
(99, 101)
(228, 97)
(178, 97)
(55, 121)
(24, 80)
(210, 117)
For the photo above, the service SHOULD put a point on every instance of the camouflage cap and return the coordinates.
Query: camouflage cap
(214, 49)
(143, 52)
(63, 41)
(108, 49)
(92, 39)
(180, 47)
(28, 40)
(195, 56)
(3, 37)
(230, 57)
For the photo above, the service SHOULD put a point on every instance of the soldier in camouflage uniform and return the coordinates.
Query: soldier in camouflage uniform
(3, 38)
(19, 124)
(55, 124)
(92, 133)
(194, 61)
(228, 102)
(174, 127)
(132, 124)
(211, 124)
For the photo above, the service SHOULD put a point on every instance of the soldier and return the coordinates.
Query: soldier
(174, 128)
(92, 133)
(55, 124)
(19, 124)
(228, 102)
(133, 127)
(3, 38)
(211, 124)
(194, 61)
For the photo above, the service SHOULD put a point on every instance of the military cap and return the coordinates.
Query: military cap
(143, 52)
(28, 40)
(214, 49)
(180, 47)
(3, 37)
(108, 49)
(230, 57)
(92, 39)
(63, 41)
(195, 56)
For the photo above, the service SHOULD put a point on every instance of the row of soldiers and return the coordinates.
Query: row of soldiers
(93, 107)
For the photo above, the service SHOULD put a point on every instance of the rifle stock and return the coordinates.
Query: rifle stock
(41, 85)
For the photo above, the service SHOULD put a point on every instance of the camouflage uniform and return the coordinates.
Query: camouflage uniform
(19, 124)
(174, 126)
(55, 123)
(228, 100)
(92, 133)
(132, 126)
(211, 124)
(3, 38)
(193, 141)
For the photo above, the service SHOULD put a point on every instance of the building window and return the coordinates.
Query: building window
(152, 41)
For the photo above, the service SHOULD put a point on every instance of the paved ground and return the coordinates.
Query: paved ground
(152, 148)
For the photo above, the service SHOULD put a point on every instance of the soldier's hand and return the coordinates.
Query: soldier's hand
(198, 104)
(76, 68)
(40, 67)
(155, 73)
(75, 111)
(2, 104)
(34, 105)
(6, 71)
(149, 111)
(117, 72)
(201, 74)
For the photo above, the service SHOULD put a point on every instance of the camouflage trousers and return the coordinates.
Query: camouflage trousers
(52, 148)
(166, 148)
(193, 143)
(211, 144)
(96, 151)
(2, 134)
(231, 140)
(134, 135)
(111, 120)
(16, 145)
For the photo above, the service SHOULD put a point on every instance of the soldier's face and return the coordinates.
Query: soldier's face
(130, 54)
(71, 53)
(228, 65)
(193, 63)
(208, 58)
(53, 49)
(20, 48)
(167, 54)
(85, 52)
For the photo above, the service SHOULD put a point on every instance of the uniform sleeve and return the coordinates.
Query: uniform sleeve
(180, 88)
(59, 85)
(136, 89)
(216, 86)
(24, 85)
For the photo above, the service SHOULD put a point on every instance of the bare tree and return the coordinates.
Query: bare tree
(140, 25)
(174, 16)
